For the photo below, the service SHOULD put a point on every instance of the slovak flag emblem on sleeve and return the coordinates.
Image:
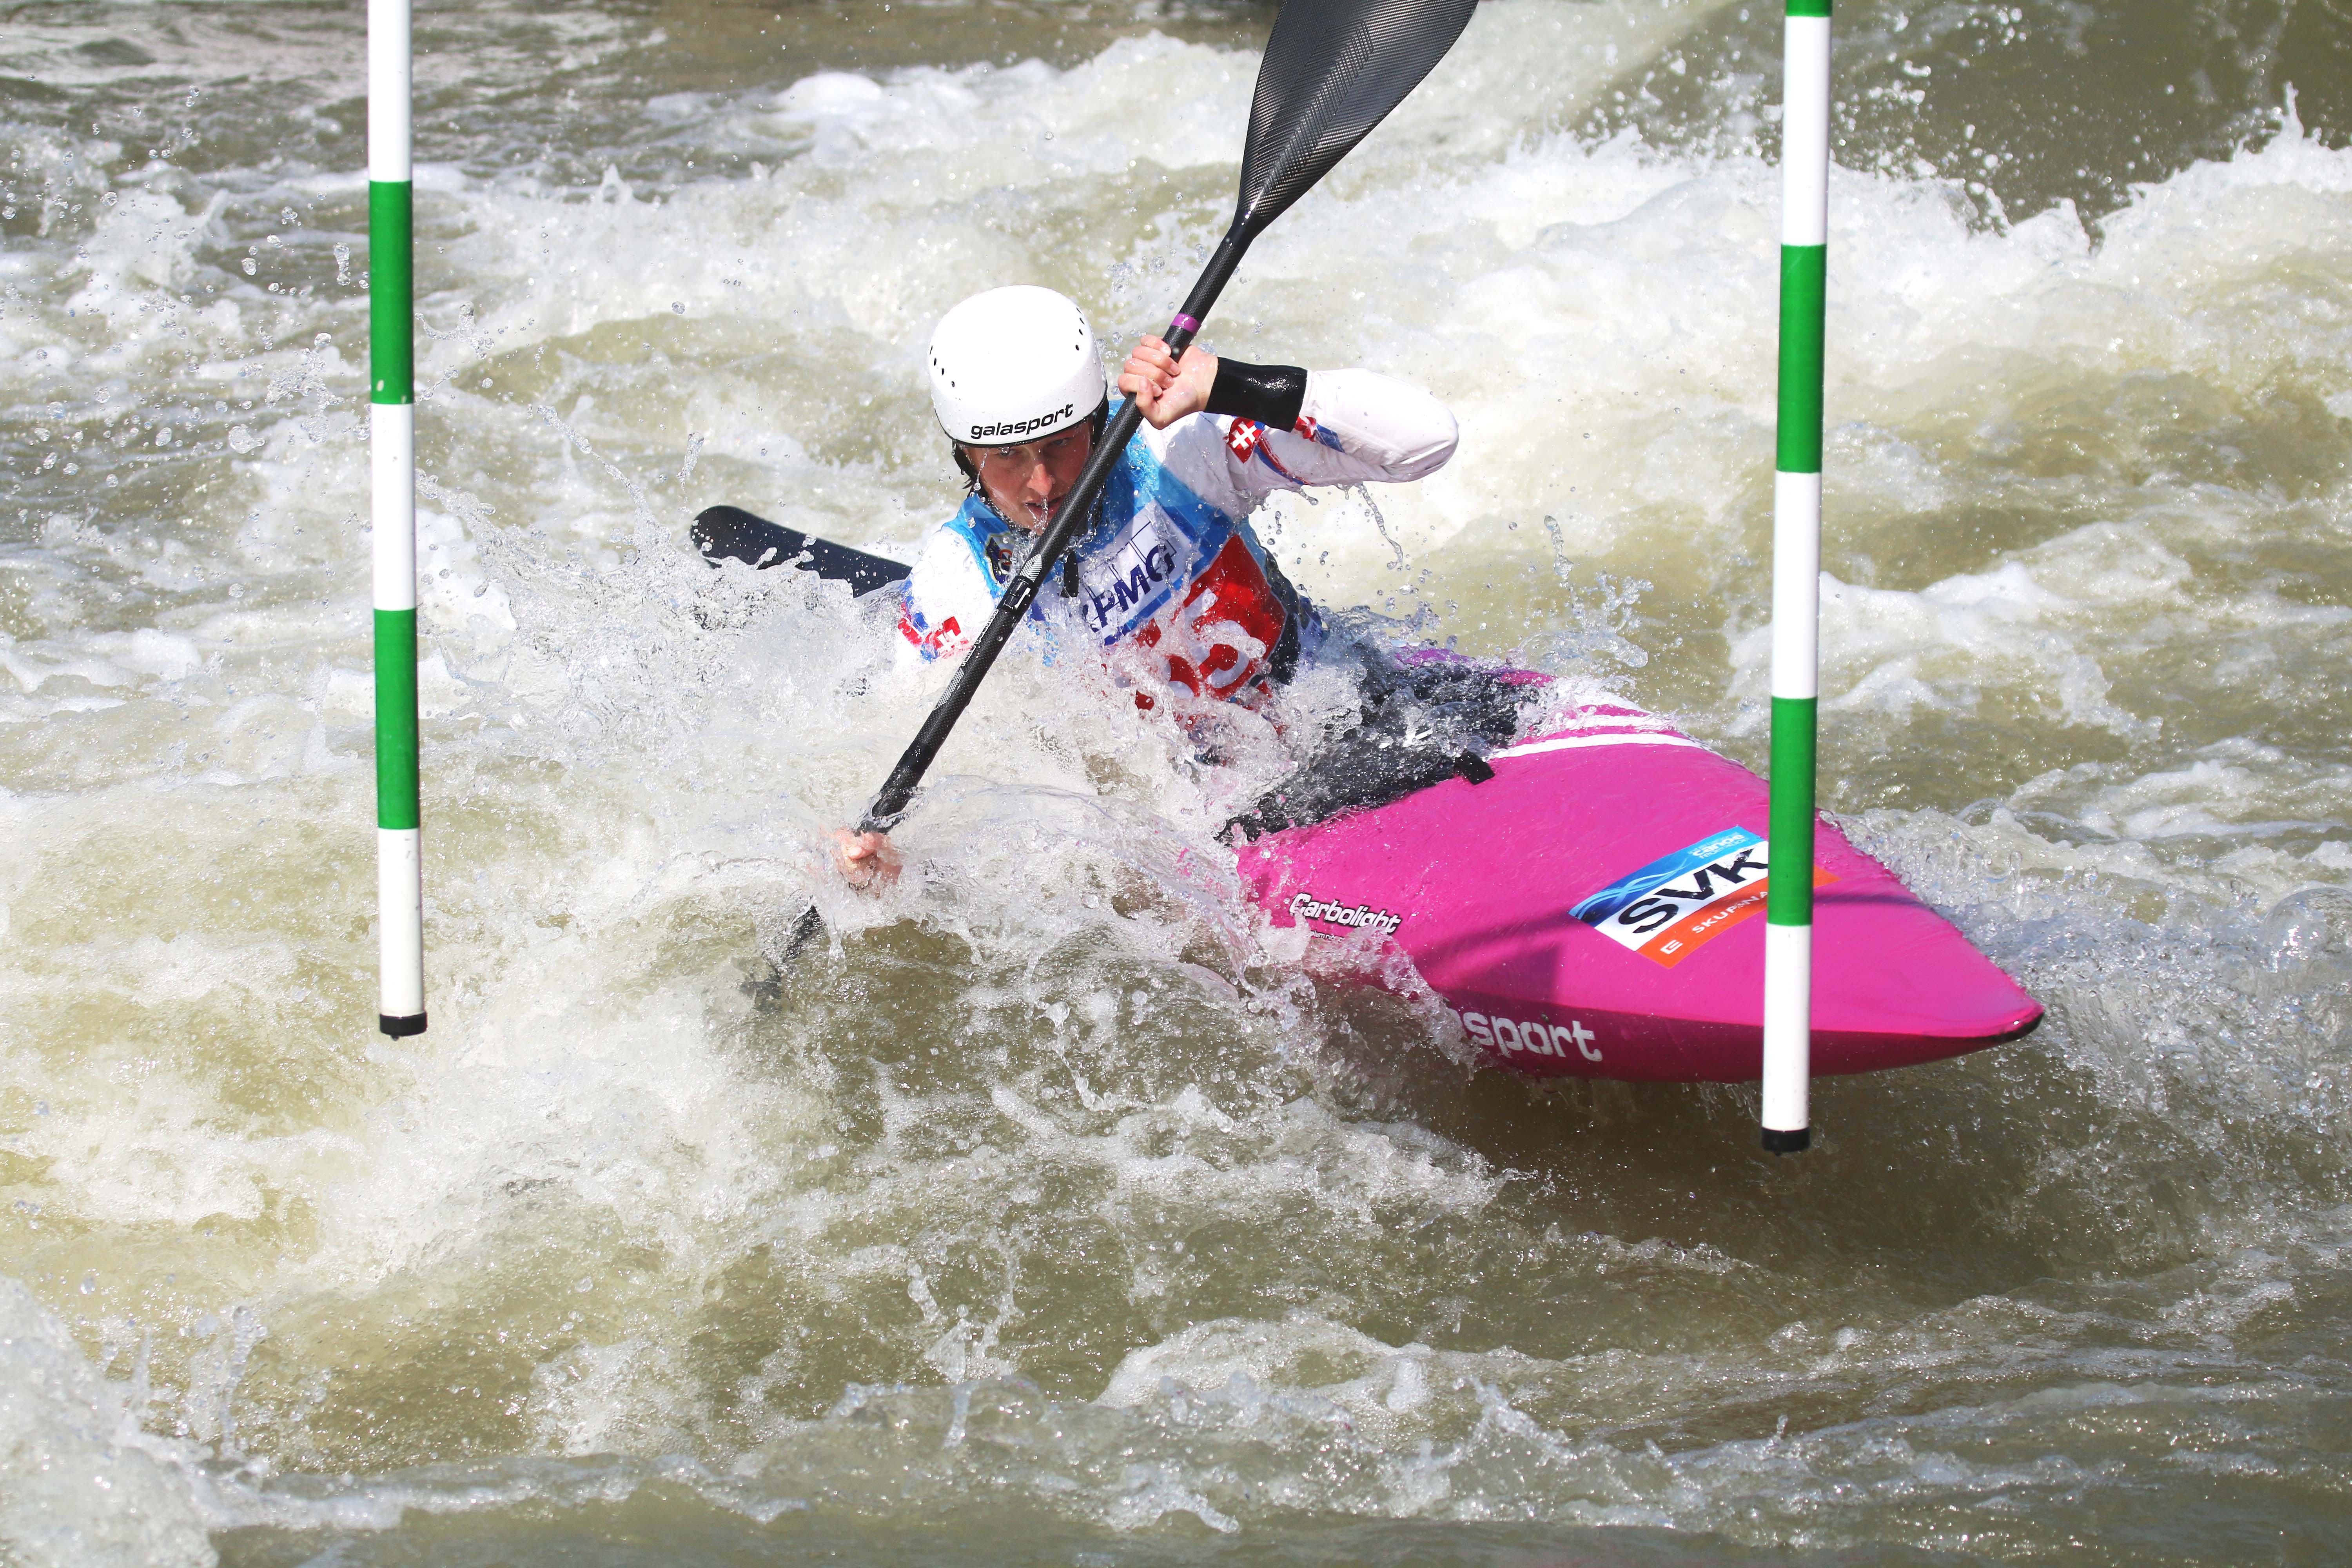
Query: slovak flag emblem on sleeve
(946, 637)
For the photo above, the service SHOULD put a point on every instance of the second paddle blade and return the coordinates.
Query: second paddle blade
(731, 533)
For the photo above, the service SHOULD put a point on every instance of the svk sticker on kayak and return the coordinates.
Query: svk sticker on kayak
(1679, 902)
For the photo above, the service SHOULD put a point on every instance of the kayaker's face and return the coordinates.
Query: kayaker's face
(1025, 483)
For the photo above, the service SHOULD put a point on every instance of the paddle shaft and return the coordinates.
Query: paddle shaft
(1075, 514)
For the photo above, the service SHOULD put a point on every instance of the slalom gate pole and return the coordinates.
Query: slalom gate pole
(1797, 578)
(392, 462)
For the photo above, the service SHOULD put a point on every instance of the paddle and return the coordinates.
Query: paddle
(1332, 70)
(731, 533)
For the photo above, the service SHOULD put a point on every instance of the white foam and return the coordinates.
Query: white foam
(82, 1485)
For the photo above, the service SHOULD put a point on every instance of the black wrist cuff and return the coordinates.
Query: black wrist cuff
(1270, 393)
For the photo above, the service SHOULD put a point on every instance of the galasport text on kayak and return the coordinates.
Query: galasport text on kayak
(1534, 1037)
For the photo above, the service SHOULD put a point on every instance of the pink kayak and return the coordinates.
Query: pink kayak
(1596, 908)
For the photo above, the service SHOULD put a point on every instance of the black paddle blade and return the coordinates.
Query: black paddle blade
(1333, 70)
(731, 533)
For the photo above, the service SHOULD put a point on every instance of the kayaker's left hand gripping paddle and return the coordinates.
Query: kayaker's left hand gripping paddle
(1333, 70)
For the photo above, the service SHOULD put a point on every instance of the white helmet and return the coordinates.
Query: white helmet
(1013, 365)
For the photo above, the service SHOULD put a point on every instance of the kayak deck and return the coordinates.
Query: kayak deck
(1595, 909)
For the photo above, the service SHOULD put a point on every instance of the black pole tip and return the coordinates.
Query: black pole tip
(1793, 1140)
(397, 1027)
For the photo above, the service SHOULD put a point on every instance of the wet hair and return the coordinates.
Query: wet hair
(1097, 421)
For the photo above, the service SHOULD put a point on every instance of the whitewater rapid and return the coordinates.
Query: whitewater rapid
(1052, 1208)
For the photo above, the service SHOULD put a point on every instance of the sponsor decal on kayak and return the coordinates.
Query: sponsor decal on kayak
(1308, 907)
(1534, 1037)
(1679, 902)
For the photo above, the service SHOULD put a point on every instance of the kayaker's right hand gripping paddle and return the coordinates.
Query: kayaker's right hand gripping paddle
(1332, 70)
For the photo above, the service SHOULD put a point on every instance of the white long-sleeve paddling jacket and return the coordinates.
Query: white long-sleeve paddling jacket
(1172, 575)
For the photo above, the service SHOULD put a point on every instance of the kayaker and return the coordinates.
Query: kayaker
(1172, 578)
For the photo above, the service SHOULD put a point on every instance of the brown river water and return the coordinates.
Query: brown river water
(1043, 1212)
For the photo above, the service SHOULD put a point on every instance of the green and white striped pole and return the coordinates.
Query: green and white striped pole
(391, 461)
(1796, 577)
